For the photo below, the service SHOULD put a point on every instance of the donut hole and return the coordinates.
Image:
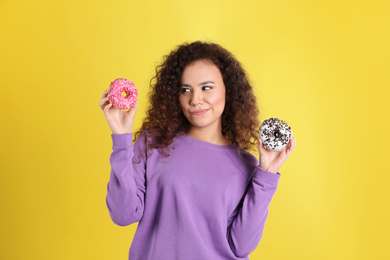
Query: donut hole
(124, 94)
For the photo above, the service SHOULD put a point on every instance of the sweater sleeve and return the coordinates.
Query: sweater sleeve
(246, 225)
(126, 187)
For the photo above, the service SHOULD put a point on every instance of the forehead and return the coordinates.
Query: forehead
(202, 69)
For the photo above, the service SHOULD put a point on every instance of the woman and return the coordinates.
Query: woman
(189, 179)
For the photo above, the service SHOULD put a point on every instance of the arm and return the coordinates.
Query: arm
(126, 187)
(246, 225)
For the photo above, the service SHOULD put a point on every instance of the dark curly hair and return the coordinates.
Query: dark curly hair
(165, 119)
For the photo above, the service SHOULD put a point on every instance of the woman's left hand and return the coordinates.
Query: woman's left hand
(272, 161)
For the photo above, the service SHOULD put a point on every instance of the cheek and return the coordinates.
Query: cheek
(219, 100)
(182, 102)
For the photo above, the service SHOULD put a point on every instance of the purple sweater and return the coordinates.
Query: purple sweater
(204, 201)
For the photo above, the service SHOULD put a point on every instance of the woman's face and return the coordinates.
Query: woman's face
(202, 95)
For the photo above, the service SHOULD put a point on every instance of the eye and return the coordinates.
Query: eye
(206, 88)
(184, 90)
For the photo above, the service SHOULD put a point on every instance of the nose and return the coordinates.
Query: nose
(196, 98)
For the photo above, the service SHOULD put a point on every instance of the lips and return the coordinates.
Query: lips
(199, 112)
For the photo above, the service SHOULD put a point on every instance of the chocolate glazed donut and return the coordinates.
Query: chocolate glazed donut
(275, 134)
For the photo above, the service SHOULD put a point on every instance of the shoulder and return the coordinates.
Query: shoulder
(147, 141)
(140, 143)
(245, 161)
(249, 158)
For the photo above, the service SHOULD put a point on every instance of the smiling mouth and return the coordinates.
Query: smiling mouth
(199, 112)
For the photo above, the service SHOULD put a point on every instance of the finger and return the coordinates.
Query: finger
(105, 93)
(133, 109)
(294, 143)
(107, 107)
(291, 146)
(103, 102)
(103, 99)
(262, 149)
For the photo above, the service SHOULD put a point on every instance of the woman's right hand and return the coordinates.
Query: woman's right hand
(120, 121)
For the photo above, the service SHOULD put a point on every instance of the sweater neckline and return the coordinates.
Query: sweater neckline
(205, 144)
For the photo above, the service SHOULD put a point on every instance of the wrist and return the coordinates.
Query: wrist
(268, 170)
(120, 133)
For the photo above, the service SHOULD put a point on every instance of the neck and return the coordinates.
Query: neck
(213, 136)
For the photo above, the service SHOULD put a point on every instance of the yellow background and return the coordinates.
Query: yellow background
(323, 66)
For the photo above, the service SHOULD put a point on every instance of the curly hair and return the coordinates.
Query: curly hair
(165, 119)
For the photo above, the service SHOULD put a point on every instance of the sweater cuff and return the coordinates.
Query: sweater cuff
(122, 140)
(267, 176)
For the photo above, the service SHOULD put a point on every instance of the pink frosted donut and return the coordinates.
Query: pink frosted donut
(115, 93)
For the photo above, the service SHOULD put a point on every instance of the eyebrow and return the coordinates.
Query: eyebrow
(201, 84)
